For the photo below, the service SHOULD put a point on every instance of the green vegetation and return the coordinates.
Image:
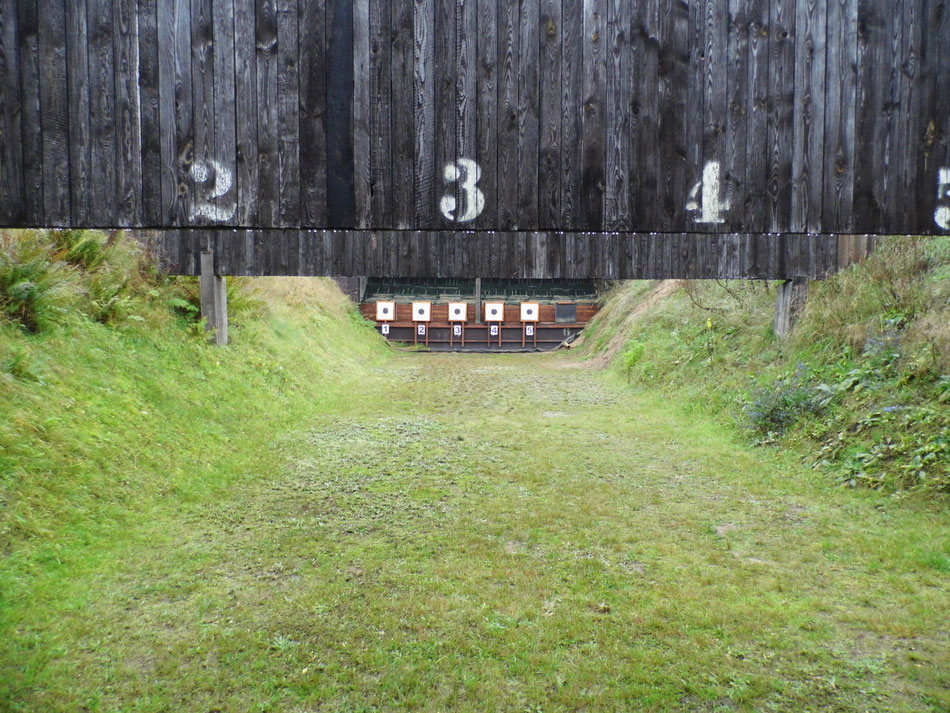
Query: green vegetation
(307, 520)
(862, 388)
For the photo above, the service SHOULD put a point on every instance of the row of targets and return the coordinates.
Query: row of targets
(494, 315)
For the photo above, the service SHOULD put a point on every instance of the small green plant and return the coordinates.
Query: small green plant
(32, 282)
(632, 355)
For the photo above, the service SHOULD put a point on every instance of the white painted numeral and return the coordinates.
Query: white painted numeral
(942, 214)
(712, 209)
(204, 171)
(466, 172)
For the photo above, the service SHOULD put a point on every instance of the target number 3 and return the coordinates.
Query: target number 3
(466, 173)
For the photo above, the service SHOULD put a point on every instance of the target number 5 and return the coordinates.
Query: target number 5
(466, 173)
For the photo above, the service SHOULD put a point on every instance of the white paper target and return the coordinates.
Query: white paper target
(420, 311)
(529, 311)
(494, 311)
(458, 311)
(385, 311)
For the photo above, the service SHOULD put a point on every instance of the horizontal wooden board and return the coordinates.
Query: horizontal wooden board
(418, 253)
(710, 117)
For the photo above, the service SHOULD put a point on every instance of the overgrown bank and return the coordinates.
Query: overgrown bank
(113, 405)
(861, 389)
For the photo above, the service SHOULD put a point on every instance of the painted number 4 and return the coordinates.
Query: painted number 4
(942, 214)
(466, 173)
(711, 209)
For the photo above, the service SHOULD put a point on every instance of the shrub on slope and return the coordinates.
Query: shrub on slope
(861, 388)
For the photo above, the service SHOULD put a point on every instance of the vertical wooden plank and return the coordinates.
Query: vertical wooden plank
(424, 78)
(203, 173)
(887, 71)
(673, 75)
(734, 156)
(621, 75)
(486, 109)
(446, 151)
(715, 99)
(594, 139)
(175, 116)
(313, 114)
(808, 114)
(381, 32)
(840, 79)
(549, 172)
(268, 149)
(695, 111)
(102, 112)
(32, 140)
(11, 155)
(245, 109)
(288, 111)
(149, 120)
(509, 67)
(224, 202)
(466, 57)
(781, 99)
(932, 140)
(51, 42)
(912, 39)
(403, 114)
(528, 114)
(361, 115)
(755, 203)
(128, 129)
(572, 112)
(644, 186)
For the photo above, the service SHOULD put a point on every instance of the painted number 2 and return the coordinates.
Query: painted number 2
(711, 209)
(466, 173)
(942, 214)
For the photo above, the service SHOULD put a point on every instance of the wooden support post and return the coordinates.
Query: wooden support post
(478, 300)
(789, 303)
(214, 299)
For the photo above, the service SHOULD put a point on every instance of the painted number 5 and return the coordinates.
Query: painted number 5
(466, 173)
(942, 214)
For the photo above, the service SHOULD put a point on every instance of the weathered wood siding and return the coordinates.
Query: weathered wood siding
(475, 123)
(553, 255)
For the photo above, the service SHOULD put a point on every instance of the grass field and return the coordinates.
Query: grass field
(477, 533)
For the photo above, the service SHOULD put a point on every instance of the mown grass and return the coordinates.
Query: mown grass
(861, 390)
(305, 521)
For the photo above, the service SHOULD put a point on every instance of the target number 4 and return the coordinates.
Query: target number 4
(708, 190)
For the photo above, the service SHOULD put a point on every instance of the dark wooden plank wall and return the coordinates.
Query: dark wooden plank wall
(349, 253)
(714, 116)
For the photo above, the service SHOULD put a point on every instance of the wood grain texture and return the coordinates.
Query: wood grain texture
(486, 109)
(529, 114)
(815, 116)
(781, 108)
(31, 126)
(549, 151)
(11, 155)
(594, 125)
(54, 111)
(426, 186)
(288, 111)
(313, 114)
(508, 68)
(809, 113)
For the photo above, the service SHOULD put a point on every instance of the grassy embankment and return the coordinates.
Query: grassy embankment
(299, 523)
(861, 390)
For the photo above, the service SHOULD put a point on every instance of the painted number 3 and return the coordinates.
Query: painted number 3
(466, 173)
